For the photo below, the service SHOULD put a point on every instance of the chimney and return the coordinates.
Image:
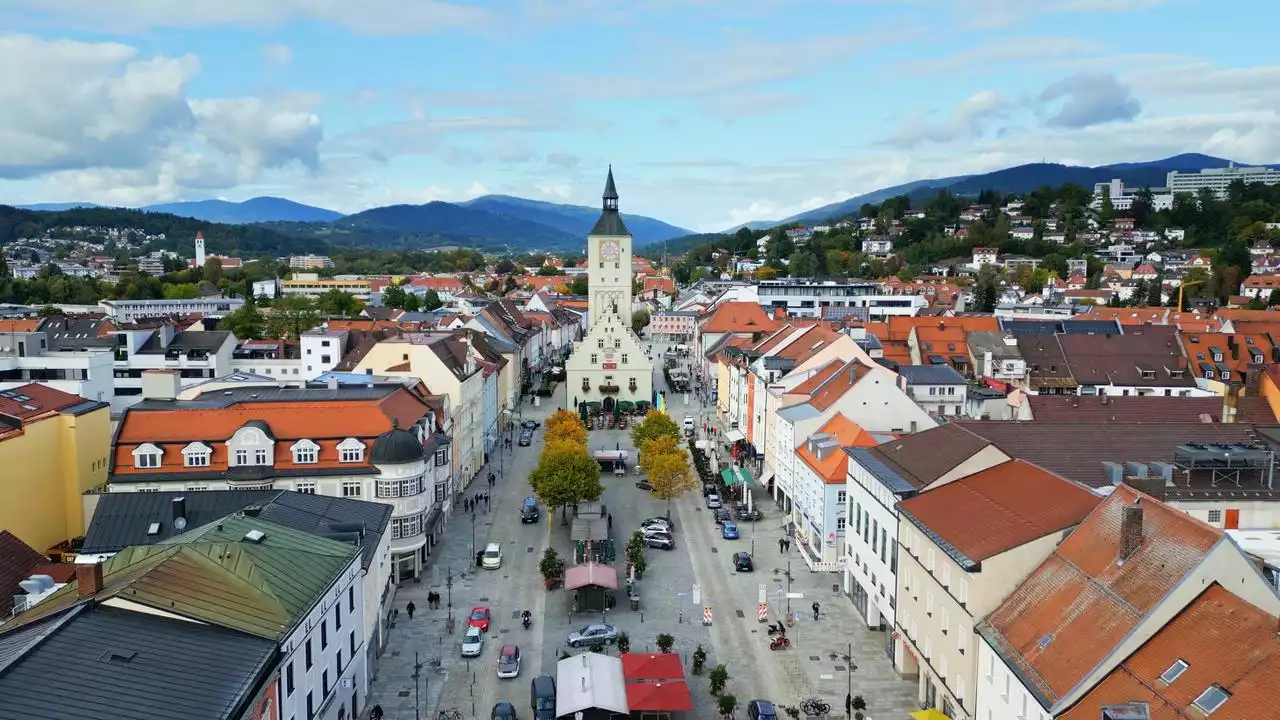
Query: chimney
(1253, 379)
(161, 384)
(1130, 530)
(88, 578)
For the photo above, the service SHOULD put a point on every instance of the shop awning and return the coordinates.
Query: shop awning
(735, 476)
(734, 436)
(929, 714)
(659, 697)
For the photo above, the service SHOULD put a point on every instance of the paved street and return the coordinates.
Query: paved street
(815, 665)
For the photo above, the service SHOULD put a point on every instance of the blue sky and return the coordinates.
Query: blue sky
(712, 112)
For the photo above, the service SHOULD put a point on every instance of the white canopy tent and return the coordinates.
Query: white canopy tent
(590, 681)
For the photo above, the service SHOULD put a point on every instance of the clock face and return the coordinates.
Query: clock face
(609, 251)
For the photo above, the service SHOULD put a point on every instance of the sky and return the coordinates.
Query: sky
(711, 112)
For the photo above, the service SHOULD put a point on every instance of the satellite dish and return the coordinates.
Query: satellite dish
(180, 523)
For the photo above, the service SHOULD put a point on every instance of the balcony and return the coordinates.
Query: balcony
(610, 389)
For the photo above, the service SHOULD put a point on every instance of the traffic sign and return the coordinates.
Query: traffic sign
(697, 594)
(763, 595)
(795, 596)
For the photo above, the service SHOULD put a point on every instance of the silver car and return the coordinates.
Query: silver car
(713, 502)
(472, 642)
(593, 634)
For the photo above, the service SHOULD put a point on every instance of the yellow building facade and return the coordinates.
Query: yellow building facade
(54, 447)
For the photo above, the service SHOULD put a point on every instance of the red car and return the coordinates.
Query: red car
(479, 619)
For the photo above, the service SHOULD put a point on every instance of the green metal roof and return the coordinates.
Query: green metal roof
(215, 575)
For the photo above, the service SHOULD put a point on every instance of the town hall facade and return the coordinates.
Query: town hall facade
(609, 364)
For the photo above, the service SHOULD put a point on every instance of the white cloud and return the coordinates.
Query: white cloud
(1088, 99)
(997, 52)
(277, 54)
(968, 120)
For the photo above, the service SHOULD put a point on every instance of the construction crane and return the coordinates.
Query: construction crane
(1184, 286)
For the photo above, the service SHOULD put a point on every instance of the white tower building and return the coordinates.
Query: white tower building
(609, 364)
(199, 249)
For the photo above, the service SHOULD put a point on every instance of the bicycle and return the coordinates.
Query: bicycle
(815, 707)
(436, 664)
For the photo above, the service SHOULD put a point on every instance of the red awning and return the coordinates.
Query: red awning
(645, 666)
(996, 384)
(659, 696)
(591, 575)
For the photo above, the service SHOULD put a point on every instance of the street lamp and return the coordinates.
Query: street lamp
(417, 673)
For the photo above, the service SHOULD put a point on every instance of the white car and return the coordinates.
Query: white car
(492, 556)
(713, 502)
(472, 642)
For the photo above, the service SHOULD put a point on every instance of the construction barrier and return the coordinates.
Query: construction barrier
(706, 615)
(762, 612)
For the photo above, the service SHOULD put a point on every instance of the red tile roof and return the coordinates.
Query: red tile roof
(1082, 601)
(1223, 640)
(17, 561)
(989, 512)
(1149, 409)
(815, 381)
(738, 317)
(41, 401)
(833, 467)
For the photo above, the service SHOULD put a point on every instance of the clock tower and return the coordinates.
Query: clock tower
(609, 364)
(609, 260)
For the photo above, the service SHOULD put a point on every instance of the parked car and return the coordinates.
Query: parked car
(761, 710)
(592, 634)
(720, 515)
(729, 530)
(529, 512)
(530, 424)
(542, 697)
(742, 562)
(509, 661)
(655, 530)
(644, 485)
(526, 437)
(709, 489)
(713, 502)
(658, 521)
(480, 617)
(503, 710)
(660, 542)
(472, 642)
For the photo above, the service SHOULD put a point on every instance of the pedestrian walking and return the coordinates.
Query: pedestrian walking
(610, 521)
(815, 610)
(782, 546)
(376, 713)
(410, 608)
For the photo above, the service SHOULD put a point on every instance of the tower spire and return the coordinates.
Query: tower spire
(610, 193)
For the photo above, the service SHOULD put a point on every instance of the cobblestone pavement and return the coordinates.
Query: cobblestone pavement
(815, 665)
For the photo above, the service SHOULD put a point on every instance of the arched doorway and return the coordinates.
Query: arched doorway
(608, 404)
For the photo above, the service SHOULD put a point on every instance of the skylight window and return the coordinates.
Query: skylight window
(1211, 699)
(1174, 672)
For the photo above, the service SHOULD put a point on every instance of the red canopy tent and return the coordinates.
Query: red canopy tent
(655, 683)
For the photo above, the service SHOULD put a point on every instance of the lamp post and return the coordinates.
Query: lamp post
(417, 673)
(849, 667)
(788, 587)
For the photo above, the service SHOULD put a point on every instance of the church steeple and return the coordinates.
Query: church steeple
(610, 193)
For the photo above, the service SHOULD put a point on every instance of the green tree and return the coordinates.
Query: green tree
(181, 291)
(726, 704)
(504, 266)
(660, 445)
(431, 301)
(579, 285)
(337, 303)
(566, 478)
(655, 424)
(549, 270)
(766, 273)
(639, 320)
(394, 296)
(246, 323)
(291, 315)
(212, 270)
(803, 264)
(1155, 295)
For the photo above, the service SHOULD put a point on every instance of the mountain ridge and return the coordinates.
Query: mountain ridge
(1018, 178)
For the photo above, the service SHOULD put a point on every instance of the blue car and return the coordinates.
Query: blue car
(729, 531)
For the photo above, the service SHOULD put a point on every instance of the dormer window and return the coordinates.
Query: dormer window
(351, 450)
(1208, 374)
(147, 456)
(196, 455)
(1217, 356)
(305, 452)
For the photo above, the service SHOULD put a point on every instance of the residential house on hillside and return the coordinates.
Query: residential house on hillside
(1123, 575)
(387, 443)
(965, 546)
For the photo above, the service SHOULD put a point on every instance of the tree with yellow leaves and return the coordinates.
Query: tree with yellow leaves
(660, 445)
(670, 476)
(566, 431)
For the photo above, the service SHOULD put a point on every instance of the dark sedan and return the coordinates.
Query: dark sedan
(526, 437)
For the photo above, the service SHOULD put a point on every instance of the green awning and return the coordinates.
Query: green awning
(734, 476)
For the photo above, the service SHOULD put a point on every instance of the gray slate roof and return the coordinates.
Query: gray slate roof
(122, 519)
(130, 666)
(887, 476)
(930, 375)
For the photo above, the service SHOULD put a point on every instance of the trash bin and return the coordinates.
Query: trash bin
(635, 602)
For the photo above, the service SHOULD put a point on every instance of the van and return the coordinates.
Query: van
(688, 422)
(542, 697)
(492, 559)
(529, 511)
